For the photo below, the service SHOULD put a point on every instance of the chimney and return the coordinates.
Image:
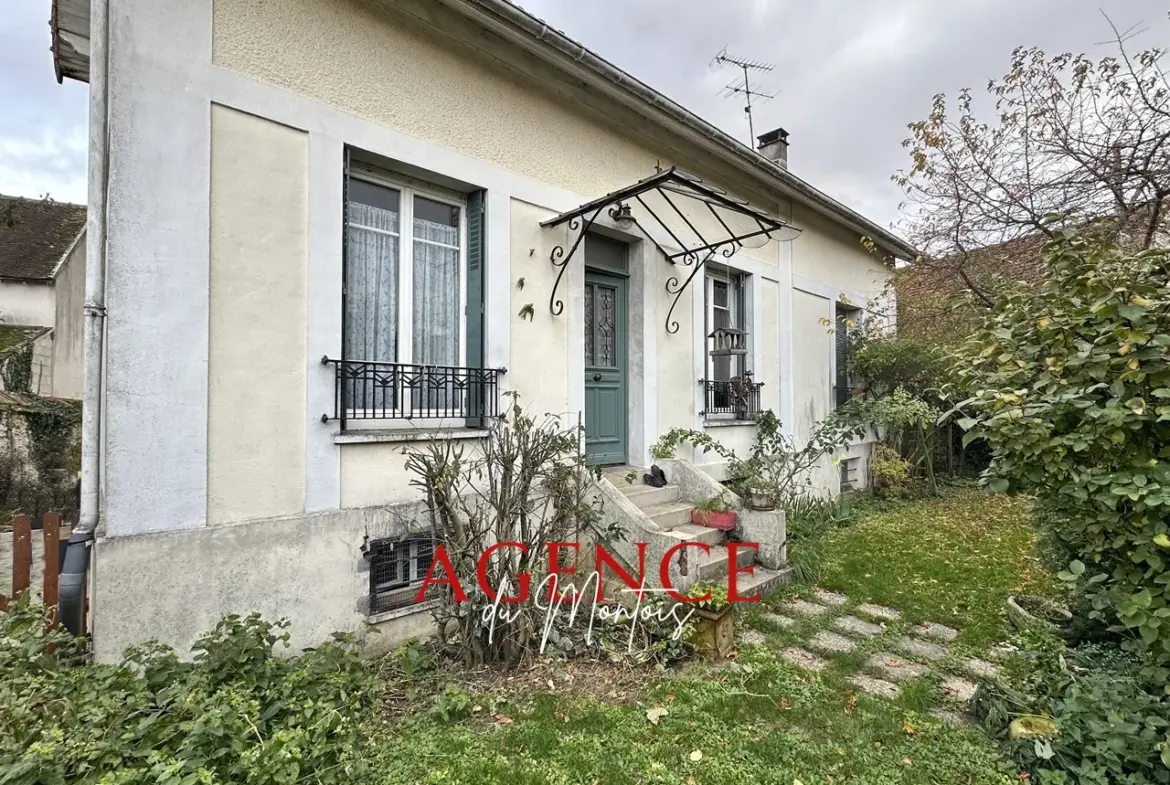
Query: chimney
(774, 146)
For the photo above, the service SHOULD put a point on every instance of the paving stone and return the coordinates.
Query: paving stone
(753, 638)
(938, 632)
(778, 620)
(880, 612)
(958, 689)
(826, 597)
(831, 642)
(920, 648)
(879, 687)
(856, 626)
(953, 718)
(803, 659)
(998, 653)
(805, 608)
(896, 667)
(981, 669)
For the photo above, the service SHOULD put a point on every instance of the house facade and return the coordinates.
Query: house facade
(42, 285)
(331, 229)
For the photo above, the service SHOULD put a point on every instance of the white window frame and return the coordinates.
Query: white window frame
(734, 293)
(408, 188)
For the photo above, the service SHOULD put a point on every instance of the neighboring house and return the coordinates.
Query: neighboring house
(42, 288)
(401, 188)
(936, 301)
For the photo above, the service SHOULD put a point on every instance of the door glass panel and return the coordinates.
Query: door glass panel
(589, 353)
(606, 331)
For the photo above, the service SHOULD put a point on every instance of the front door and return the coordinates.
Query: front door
(606, 411)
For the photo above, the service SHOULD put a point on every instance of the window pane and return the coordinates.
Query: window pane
(719, 289)
(590, 293)
(435, 303)
(377, 196)
(371, 300)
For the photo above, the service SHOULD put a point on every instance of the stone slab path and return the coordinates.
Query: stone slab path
(830, 625)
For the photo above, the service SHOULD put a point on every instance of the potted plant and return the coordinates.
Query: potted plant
(1026, 611)
(714, 635)
(714, 513)
(758, 499)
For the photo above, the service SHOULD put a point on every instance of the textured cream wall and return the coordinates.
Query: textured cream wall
(812, 354)
(376, 475)
(834, 256)
(539, 362)
(770, 373)
(256, 374)
(355, 57)
(677, 382)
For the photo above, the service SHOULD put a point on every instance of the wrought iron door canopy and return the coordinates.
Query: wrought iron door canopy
(736, 223)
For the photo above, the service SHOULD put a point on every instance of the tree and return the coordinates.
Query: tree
(1086, 139)
(1070, 385)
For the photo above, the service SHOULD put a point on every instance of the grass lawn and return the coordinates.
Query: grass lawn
(759, 719)
(953, 560)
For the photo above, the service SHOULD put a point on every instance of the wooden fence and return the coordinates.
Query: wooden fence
(51, 534)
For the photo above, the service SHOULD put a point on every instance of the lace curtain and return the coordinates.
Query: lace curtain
(372, 305)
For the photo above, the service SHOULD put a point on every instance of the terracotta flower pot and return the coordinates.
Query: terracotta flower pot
(724, 521)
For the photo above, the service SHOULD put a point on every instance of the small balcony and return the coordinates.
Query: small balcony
(366, 390)
(738, 399)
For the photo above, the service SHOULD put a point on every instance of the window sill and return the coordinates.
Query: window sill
(403, 436)
(726, 423)
(399, 613)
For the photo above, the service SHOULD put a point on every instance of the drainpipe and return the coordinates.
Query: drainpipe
(71, 584)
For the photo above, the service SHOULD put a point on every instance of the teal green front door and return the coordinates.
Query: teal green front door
(606, 409)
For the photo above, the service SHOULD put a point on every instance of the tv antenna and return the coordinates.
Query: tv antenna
(744, 87)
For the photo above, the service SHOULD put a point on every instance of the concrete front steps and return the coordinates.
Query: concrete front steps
(672, 515)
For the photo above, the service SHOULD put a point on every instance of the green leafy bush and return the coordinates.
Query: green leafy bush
(1070, 385)
(1106, 725)
(890, 472)
(886, 363)
(236, 714)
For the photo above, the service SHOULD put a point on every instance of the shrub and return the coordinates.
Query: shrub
(1070, 385)
(890, 472)
(236, 713)
(1107, 726)
(887, 363)
(527, 483)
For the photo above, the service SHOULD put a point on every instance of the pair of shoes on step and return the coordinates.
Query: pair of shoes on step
(655, 478)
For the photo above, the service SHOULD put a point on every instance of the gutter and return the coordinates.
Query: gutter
(72, 581)
(723, 145)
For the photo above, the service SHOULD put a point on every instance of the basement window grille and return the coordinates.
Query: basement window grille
(848, 474)
(398, 566)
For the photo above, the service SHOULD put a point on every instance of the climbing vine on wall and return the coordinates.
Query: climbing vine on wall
(16, 369)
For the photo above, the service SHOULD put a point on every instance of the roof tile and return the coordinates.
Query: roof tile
(34, 234)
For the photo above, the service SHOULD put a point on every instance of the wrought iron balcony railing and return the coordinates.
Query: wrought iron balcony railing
(365, 390)
(738, 397)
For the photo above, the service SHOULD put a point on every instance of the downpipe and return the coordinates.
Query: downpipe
(71, 583)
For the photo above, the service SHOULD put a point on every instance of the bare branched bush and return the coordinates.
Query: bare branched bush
(529, 484)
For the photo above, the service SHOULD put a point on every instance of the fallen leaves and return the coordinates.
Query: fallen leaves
(656, 714)
(696, 756)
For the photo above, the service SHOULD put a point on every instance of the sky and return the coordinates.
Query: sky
(849, 74)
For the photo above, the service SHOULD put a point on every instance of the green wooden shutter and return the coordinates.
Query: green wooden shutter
(476, 251)
(842, 337)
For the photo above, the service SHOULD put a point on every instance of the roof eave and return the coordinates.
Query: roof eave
(69, 28)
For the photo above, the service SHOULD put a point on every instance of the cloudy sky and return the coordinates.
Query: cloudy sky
(850, 74)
